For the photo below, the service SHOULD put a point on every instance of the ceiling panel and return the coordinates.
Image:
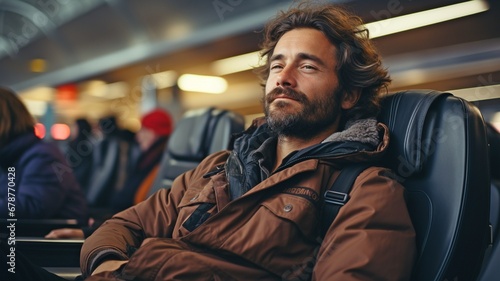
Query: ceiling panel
(125, 40)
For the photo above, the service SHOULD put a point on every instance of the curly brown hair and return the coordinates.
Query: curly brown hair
(359, 66)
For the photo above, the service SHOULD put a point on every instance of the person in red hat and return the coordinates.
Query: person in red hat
(156, 127)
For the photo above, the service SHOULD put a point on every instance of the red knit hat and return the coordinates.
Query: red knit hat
(159, 121)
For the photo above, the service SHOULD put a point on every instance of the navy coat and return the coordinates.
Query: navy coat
(36, 179)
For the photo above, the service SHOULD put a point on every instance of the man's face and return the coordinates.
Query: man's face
(302, 95)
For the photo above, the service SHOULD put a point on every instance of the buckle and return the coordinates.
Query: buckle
(335, 197)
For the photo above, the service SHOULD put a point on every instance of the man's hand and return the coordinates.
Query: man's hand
(62, 233)
(109, 265)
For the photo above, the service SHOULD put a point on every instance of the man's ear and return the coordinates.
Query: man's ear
(350, 99)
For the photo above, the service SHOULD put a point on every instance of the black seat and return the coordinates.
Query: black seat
(491, 268)
(199, 133)
(439, 150)
(113, 157)
(106, 159)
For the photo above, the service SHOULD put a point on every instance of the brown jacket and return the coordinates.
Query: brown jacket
(269, 233)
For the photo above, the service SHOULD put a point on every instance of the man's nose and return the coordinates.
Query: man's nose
(286, 78)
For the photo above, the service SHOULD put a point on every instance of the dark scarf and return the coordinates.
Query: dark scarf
(249, 164)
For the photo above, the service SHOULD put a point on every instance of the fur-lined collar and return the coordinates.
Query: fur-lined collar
(361, 130)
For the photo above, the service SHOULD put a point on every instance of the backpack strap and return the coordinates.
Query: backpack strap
(338, 194)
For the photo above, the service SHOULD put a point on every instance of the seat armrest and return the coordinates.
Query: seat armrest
(50, 252)
(38, 227)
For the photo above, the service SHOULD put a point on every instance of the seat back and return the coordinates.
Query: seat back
(104, 172)
(199, 133)
(439, 151)
(113, 157)
(495, 211)
(491, 270)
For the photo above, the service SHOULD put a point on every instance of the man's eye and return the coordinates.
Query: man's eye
(276, 66)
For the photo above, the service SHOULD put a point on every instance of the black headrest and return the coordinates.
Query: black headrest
(405, 113)
(203, 131)
(187, 142)
(199, 133)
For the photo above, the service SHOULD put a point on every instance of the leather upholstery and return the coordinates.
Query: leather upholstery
(439, 151)
(199, 133)
(104, 172)
(491, 270)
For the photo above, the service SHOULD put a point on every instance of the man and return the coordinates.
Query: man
(253, 213)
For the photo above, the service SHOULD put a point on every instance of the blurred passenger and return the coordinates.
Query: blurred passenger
(79, 151)
(156, 127)
(152, 138)
(34, 176)
(114, 156)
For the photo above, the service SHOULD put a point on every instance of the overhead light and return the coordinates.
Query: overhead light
(36, 107)
(93, 84)
(424, 18)
(110, 91)
(202, 84)
(38, 65)
(377, 29)
(164, 79)
(42, 93)
(236, 63)
(178, 28)
(478, 93)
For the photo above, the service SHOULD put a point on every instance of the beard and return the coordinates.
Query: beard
(314, 116)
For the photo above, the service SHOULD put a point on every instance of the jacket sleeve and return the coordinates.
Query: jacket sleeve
(372, 237)
(117, 237)
(42, 180)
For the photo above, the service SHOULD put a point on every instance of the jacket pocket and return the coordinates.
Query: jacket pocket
(197, 196)
(298, 211)
(195, 208)
(280, 232)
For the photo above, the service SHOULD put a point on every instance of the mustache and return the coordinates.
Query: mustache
(290, 93)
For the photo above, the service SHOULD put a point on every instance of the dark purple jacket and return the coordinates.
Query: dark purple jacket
(43, 183)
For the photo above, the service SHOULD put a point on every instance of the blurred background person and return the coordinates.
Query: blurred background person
(79, 151)
(114, 154)
(42, 183)
(156, 127)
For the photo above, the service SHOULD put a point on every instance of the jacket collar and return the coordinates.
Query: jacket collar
(362, 140)
(10, 153)
(361, 130)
